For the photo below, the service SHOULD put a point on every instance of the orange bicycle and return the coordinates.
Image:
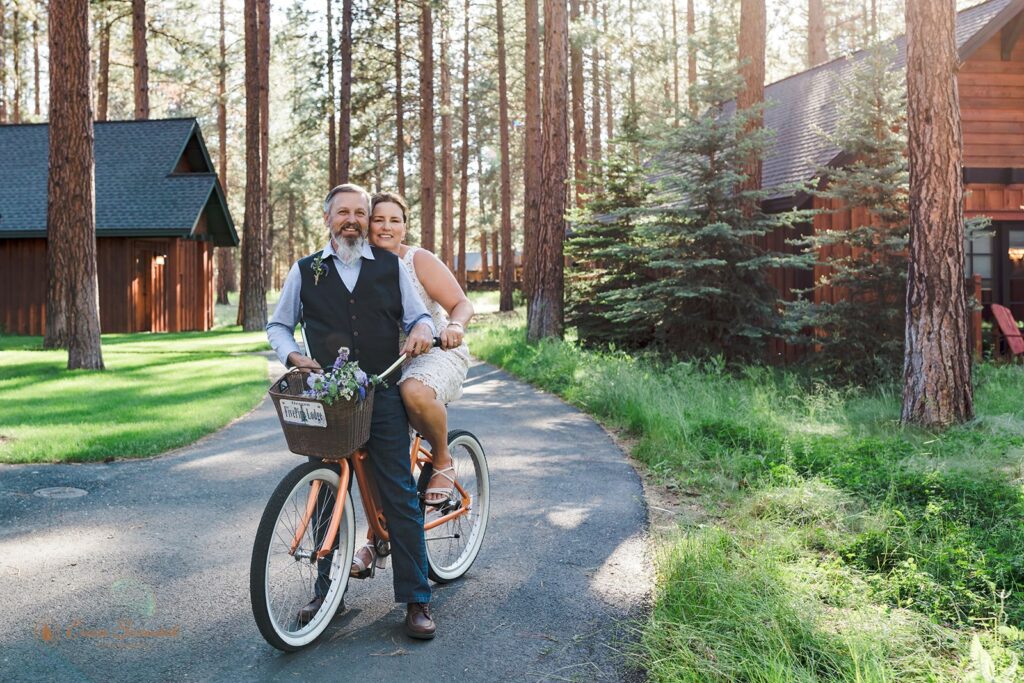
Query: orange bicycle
(310, 521)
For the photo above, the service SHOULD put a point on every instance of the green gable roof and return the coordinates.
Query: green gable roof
(138, 192)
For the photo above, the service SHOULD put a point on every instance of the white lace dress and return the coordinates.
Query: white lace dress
(443, 371)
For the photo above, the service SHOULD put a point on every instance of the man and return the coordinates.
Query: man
(354, 295)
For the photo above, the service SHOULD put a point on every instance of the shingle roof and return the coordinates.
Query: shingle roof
(802, 106)
(137, 191)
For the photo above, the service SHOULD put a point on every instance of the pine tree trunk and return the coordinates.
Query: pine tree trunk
(3, 64)
(484, 265)
(141, 60)
(35, 60)
(447, 172)
(496, 259)
(291, 227)
(460, 275)
(252, 307)
(595, 92)
(428, 200)
(266, 218)
(332, 141)
(345, 114)
(675, 63)
(817, 51)
(751, 58)
(16, 50)
(225, 262)
(506, 276)
(532, 144)
(399, 107)
(691, 54)
(544, 316)
(71, 214)
(103, 81)
(632, 65)
(937, 363)
(608, 113)
(579, 128)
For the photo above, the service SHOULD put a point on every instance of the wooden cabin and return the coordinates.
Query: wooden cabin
(160, 211)
(475, 270)
(991, 89)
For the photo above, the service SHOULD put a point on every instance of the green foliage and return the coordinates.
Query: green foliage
(605, 254)
(833, 525)
(861, 337)
(158, 392)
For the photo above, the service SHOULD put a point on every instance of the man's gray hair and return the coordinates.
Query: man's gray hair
(346, 187)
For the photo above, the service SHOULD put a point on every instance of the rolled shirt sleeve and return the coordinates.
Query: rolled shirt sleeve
(287, 314)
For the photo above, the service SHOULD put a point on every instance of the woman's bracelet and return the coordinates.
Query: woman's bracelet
(456, 322)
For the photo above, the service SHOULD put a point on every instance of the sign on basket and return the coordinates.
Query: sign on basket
(303, 413)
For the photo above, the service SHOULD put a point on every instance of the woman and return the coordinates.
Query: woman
(432, 380)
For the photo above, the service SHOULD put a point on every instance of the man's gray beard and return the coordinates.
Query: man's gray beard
(349, 249)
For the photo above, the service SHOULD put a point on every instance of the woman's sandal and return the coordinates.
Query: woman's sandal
(361, 570)
(447, 492)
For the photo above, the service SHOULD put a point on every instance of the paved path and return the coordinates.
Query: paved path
(163, 546)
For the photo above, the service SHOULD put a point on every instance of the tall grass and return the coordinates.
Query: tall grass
(850, 548)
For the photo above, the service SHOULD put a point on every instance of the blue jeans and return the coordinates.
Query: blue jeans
(389, 457)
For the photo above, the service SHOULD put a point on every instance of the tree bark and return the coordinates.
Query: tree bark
(428, 200)
(817, 50)
(447, 171)
(751, 59)
(252, 308)
(35, 60)
(691, 54)
(545, 305)
(141, 60)
(71, 214)
(532, 144)
(399, 107)
(16, 50)
(608, 113)
(579, 128)
(103, 81)
(675, 63)
(332, 140)
(496, 259)
(937, 363)
(460, 274)
(506, 277)
(595, 93)
(263, 6)
(632, 64)
(225, 260)
(345, 113)
(484, 265)
(3, 65)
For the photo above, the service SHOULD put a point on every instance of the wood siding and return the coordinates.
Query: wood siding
(992, 106)
(137, 292)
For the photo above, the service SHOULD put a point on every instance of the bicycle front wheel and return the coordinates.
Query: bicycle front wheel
(282, 581)
(452, 546)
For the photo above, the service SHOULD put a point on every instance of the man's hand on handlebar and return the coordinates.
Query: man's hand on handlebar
(297, 360)
(419, 341)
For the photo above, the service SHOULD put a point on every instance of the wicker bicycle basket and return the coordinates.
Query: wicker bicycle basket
(314, 428)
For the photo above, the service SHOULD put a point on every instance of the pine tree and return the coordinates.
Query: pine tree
(860, 335)
(707, 291)
(606, 258)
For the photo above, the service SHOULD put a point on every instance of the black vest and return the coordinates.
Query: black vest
(366, 320)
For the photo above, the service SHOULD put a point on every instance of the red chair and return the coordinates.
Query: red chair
(1006, 327)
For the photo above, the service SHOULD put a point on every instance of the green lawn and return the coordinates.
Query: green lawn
(837, 546)
(158, 392)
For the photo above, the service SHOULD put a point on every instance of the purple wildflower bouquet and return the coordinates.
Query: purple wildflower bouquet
(344, 381)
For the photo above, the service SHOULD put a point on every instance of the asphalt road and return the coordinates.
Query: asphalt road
(145, 577)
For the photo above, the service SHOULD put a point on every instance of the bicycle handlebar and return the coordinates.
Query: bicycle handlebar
(391, 368)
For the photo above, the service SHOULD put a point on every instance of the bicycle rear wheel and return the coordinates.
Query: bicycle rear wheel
(280, 582)
(453, 546)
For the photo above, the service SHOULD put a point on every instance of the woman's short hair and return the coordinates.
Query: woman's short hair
(393, 198)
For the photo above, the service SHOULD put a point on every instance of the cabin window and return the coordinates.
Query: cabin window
(978, 253)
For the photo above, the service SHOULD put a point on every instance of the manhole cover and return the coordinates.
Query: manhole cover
(60, 492)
